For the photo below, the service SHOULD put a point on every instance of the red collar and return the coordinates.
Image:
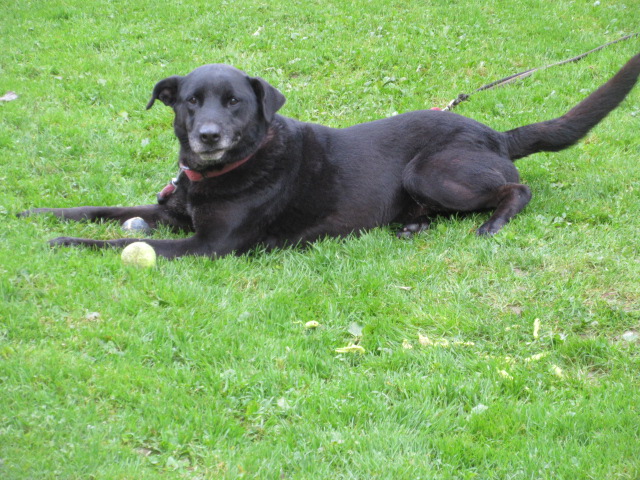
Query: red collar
(197, 176)
(194, 176)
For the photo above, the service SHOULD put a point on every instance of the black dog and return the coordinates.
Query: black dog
(250, 177)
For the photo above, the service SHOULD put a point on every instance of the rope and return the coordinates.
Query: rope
(511, 78)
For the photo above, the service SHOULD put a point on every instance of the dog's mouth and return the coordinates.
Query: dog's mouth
(211, 155)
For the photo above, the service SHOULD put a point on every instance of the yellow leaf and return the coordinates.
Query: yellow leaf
(557, 371)
(536, 357)
(351, 349)
(536, 328)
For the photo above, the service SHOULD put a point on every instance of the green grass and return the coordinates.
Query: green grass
(202, 369)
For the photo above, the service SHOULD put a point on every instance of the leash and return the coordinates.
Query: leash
(511, 78)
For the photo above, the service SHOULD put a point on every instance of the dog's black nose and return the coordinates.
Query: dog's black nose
(210, 134)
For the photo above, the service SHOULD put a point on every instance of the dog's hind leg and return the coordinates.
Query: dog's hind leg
(511, 199)
(457, 181)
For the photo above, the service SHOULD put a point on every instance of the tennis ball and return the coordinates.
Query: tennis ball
(139, 254)
(137, 225)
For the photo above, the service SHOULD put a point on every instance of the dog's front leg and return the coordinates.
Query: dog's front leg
(154, 215)
(219, 232)
(195, 245)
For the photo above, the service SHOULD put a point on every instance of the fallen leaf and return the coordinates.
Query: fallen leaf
(557, 371)
(536, 357)
(536, 328)
(355, 329)
(406, 345)
(466, 344)
(443, 342)
(145, 452)
(480, 408)
(350, 349)
(402, 287)
(9, 97)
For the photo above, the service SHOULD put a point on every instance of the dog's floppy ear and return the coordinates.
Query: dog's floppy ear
(270, 98)
(166, 91)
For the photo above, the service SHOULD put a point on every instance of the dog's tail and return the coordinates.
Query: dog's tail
(560, 133)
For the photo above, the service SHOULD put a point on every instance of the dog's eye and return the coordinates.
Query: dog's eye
(233, 101)
(192, 100)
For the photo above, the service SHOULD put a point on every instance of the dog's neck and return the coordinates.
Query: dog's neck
(195, 176)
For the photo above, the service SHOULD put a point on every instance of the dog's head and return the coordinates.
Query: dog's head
(221, 114)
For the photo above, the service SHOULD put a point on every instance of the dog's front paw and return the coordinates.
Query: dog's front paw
(65, 242)
(57, 212)
(27, 213)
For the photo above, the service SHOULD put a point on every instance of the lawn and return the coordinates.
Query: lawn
(511, 357)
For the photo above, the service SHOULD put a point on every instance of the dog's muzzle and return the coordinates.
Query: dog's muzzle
(209, 142)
